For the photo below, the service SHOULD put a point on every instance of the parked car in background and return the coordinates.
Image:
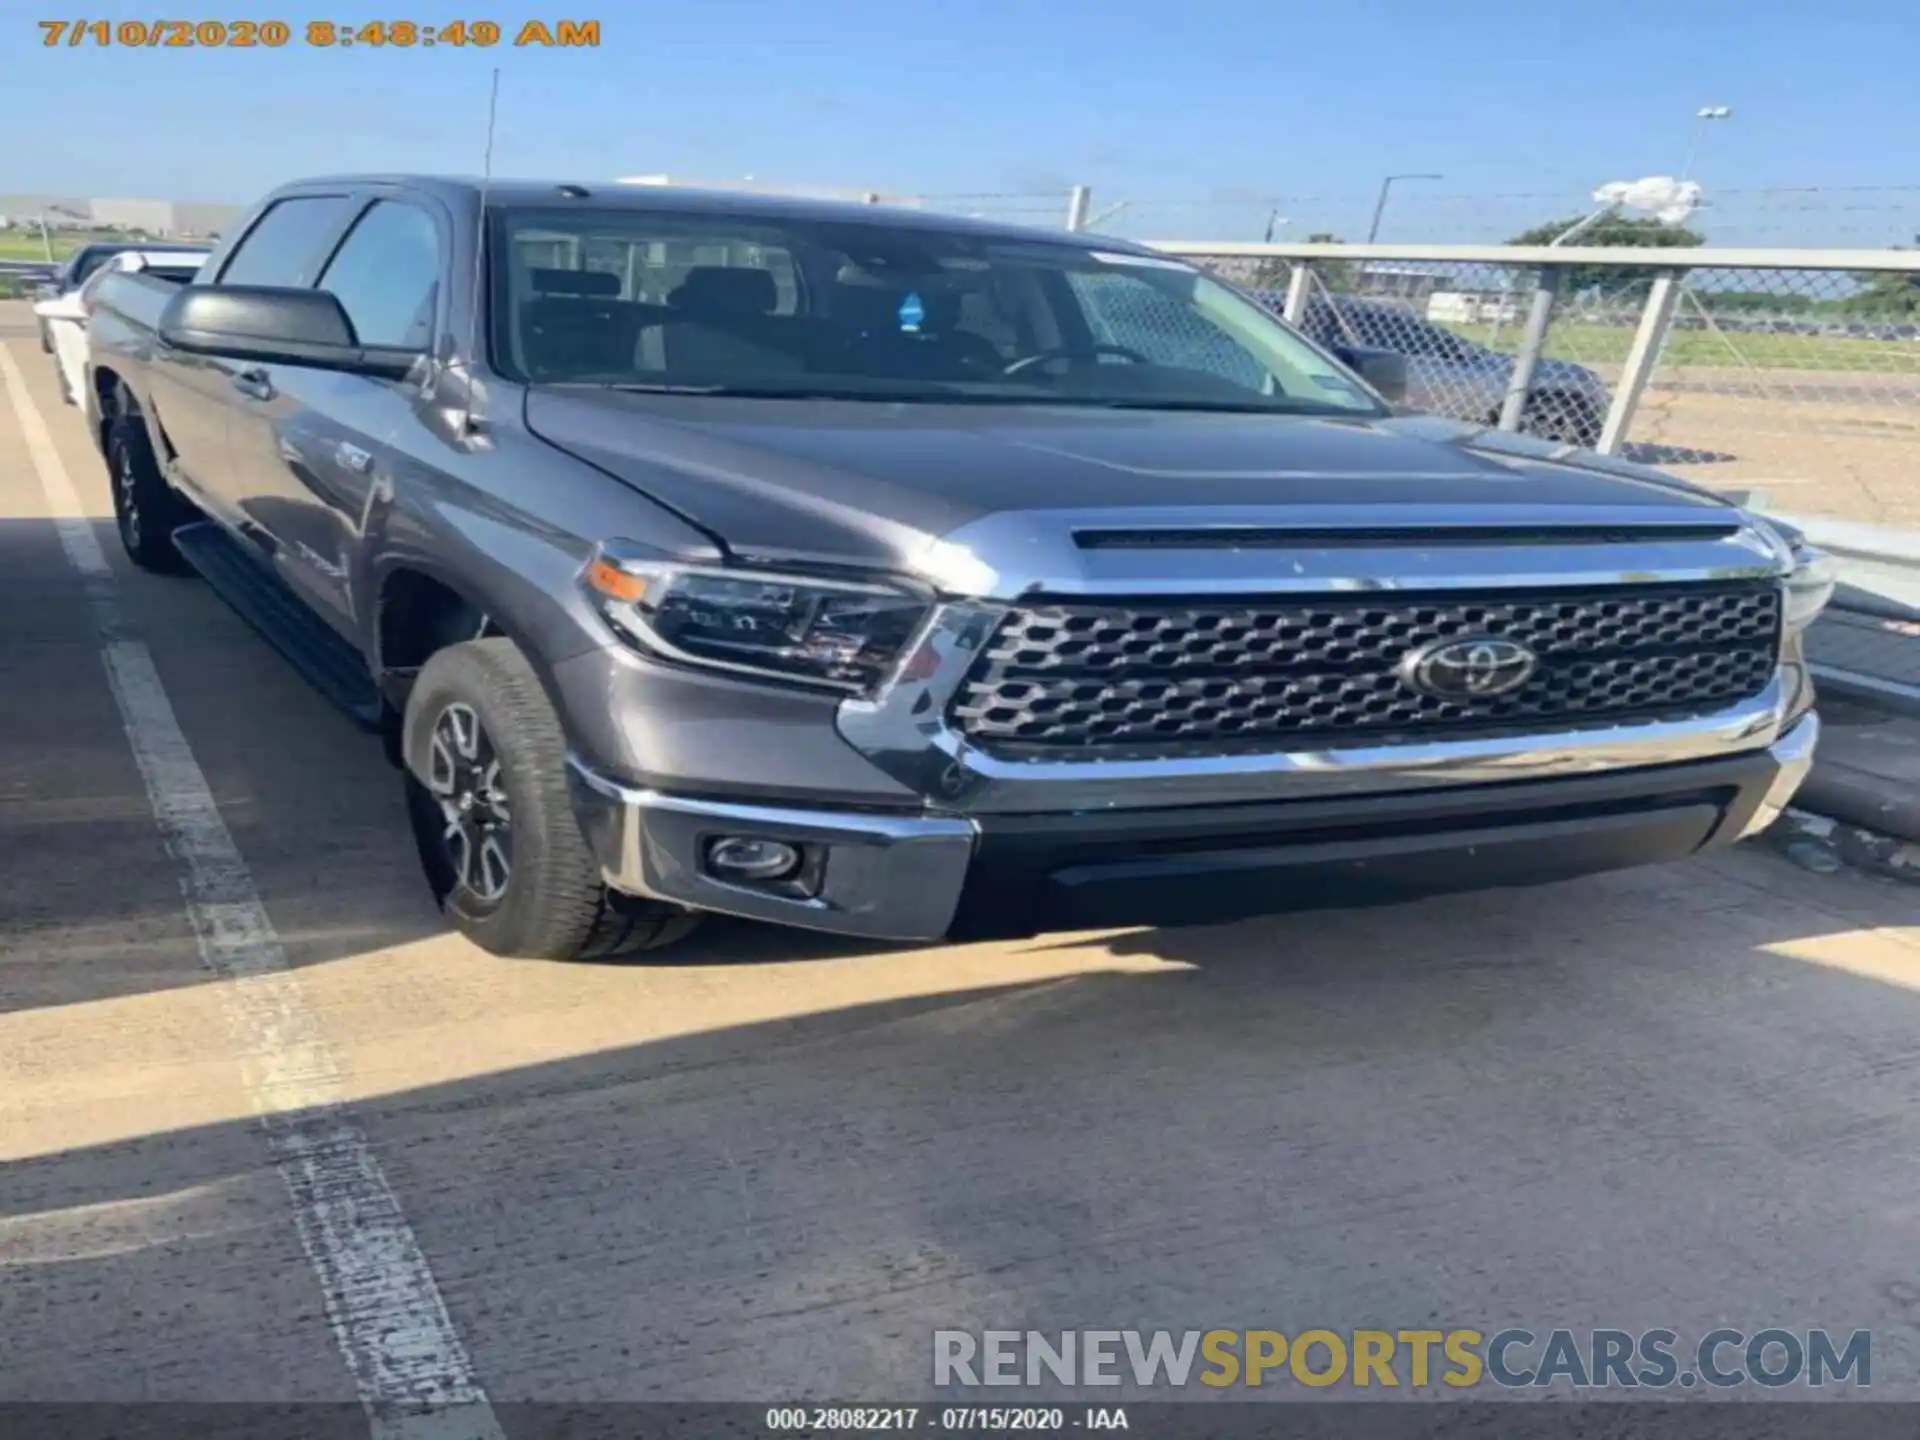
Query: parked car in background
(63, 319)
(80, 267)
(1448, 374)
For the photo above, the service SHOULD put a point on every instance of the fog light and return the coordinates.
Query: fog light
(740, 857)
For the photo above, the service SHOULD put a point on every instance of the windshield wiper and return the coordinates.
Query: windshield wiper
(765, 392)
(1223, 407)
(1021, 397)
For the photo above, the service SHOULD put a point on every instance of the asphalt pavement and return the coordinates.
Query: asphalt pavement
(770, 1166)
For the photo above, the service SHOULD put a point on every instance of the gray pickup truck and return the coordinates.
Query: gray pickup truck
(907, 577)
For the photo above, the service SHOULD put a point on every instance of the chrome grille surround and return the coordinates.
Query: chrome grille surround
(1137, 675)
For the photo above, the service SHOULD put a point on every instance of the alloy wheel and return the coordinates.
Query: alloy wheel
(127, 484)
(463, 776)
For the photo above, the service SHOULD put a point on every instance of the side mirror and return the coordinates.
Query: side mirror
(1384, 370)
(276, 326)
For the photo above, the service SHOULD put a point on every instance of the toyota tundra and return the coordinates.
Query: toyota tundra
(911, 577)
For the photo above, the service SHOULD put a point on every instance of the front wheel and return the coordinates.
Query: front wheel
(487, 795)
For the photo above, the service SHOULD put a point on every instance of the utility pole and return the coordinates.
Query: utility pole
(1380, 206)
(1702, 118)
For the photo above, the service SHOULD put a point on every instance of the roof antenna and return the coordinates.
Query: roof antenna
(480, 252)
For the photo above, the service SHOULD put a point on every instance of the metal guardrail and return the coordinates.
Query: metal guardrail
(1632, 257)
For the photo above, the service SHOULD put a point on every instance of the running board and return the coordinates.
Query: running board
(265, 601)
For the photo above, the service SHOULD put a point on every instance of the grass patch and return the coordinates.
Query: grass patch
(26, 245)
(1608, 344)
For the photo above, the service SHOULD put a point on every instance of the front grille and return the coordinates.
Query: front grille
(1231, 675)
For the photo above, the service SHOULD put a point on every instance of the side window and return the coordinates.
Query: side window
(287, 244)
(90, 263)
(386, 275)
(1125, 311)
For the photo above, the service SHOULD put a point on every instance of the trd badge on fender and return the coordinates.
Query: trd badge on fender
(1477, 667)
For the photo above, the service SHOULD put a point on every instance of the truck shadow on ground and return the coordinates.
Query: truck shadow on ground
(1625, 1084)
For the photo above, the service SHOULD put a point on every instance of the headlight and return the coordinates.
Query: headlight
(1810, 586)
(838, 633)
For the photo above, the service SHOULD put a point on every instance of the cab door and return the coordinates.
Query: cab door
(195, 397)
(315, 445)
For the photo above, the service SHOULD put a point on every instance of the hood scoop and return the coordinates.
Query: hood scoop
(1374, 537)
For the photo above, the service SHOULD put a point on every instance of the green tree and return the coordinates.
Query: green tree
(1337, 275)
(1883, 295)
(1614, 230)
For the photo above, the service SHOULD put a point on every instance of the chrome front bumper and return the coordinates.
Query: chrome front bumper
(893, 876)
(1793, 753)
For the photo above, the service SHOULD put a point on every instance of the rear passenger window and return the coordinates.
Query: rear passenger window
(386, 276)
(288, 243)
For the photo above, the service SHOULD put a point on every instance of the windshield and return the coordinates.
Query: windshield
(85, 261)
(642, 299)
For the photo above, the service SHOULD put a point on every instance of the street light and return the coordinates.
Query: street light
(46, 237)
(1702, 118)
(1274, 221)
(1381, 205)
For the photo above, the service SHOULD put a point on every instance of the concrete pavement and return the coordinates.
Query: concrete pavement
(770, 1166)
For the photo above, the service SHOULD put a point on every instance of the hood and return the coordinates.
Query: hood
(1547, 371)
(1561, 372)
(60, 307)
(835, 482)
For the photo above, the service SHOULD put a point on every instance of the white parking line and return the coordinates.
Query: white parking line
(413, 1375)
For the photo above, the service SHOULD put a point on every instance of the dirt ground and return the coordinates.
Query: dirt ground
(1846, 458)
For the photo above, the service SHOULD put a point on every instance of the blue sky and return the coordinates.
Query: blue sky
(1198, 114)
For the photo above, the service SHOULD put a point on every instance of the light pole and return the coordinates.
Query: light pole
(1702, 118)
(1381, 204)
(46, 236)
(1274, 221)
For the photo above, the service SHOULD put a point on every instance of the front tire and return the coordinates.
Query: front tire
(146, 510)
(487, 797)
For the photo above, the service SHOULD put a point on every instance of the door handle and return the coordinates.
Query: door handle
(255, 382)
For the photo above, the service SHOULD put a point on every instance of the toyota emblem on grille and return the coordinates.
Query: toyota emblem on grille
(1475, 668)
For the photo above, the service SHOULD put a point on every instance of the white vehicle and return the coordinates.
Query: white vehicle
(63, 318)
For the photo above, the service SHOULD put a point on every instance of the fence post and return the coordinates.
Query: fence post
(1079, 201)
(1655, 320)
(1299, 287)
(1532, 340)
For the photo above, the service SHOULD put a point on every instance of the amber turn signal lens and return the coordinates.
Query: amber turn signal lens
(611, 580)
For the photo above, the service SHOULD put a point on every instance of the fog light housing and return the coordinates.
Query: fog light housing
(746, 857)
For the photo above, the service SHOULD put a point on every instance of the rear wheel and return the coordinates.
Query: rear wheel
(146, 510)
(487, 796)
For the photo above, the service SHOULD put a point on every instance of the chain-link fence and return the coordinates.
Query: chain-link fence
(1798, 379)
(1422, 210)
